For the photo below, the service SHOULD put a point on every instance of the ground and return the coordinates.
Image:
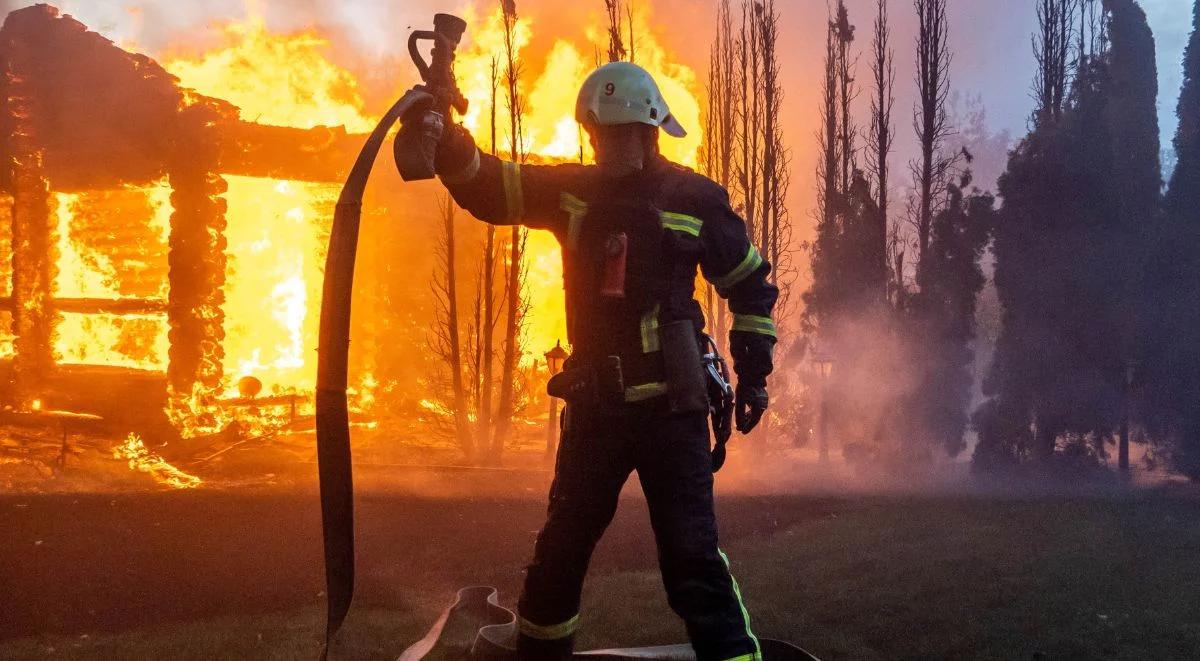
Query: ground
(236, 573)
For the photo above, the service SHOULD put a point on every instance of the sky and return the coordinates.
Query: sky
(990, 40)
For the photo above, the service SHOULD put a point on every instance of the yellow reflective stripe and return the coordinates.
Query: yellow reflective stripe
(645, 391)
(737, 592)
(752, 324)
(649, 325)
(569, 203)
(576, 208)
(552, 632)
(514, 197)
(749, 265)
(745, 657)
(681, 222)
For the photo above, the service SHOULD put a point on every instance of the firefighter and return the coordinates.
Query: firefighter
(634, 228)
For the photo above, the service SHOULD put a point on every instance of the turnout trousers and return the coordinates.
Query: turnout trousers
(671, 455)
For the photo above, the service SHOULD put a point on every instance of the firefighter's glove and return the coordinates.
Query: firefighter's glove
(752, 402)
(457, 158)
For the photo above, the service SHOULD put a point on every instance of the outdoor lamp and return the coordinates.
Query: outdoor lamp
(555, 358)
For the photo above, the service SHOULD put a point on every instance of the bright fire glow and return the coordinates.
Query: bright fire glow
(143, 460)
(277, 230)
(275, 256)
(276, 236)
(549, 124)
(550, 130)
(282, 80)
(87, 271)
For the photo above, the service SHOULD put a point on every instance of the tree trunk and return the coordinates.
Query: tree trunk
(462, 431)
(933, 69)
(483, 437)
(513, 289)
(511, 332)
(880, 139)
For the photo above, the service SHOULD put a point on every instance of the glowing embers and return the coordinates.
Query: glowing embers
(111, 277)
(277, 237)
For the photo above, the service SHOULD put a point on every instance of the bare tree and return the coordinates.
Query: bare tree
(721, 134)
(847, 93)
(512, 75)
(632, 40)
(445, 340)
(1052, 49)
(616, 47)
(829, 196)
(1091, 32)
(881, 136)
(932, 170)
(774, 230)
(486, 308)
(828, 172)
(751, 114)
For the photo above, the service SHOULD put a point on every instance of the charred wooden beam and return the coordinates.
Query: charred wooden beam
(32, 230)
(195, 308)
(118, 306)
(77, 74)
(320, 154)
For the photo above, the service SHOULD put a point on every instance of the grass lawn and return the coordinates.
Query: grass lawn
(205, 575)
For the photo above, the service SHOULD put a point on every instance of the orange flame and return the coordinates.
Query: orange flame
(143, 460)
(85, 271)
(282, 80)
(276, 228)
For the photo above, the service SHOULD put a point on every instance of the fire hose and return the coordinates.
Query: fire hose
(335, 470)
(414, 157)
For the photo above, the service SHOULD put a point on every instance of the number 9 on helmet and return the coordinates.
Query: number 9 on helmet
(624, 93)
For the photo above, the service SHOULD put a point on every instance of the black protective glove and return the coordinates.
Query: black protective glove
(455, 151)
(752, 402)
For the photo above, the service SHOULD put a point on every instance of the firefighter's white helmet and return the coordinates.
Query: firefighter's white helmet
(624, 93)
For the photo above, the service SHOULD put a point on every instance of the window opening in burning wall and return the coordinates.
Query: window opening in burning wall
(111, 285)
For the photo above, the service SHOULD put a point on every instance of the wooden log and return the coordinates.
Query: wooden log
(118, 306)
(322, 154)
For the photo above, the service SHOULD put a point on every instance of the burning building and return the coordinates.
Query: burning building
(121, 184)
(167, 222)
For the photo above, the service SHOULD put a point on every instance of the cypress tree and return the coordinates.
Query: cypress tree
(1081, 210)
(1183, 197)
(945, 314)
(1172, 382)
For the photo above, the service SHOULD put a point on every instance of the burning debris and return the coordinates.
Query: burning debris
(140, 459)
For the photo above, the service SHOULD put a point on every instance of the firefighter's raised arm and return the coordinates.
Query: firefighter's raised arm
(501, 192)
(735, 267)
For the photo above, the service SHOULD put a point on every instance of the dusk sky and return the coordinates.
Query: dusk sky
(991, 42)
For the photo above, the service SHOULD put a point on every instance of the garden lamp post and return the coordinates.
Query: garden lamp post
(824, 365)
(554, 364)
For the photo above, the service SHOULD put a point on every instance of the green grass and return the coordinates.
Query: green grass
(864, 578)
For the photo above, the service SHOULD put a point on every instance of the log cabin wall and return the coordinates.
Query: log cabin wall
(33, 263)
(78, 115)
